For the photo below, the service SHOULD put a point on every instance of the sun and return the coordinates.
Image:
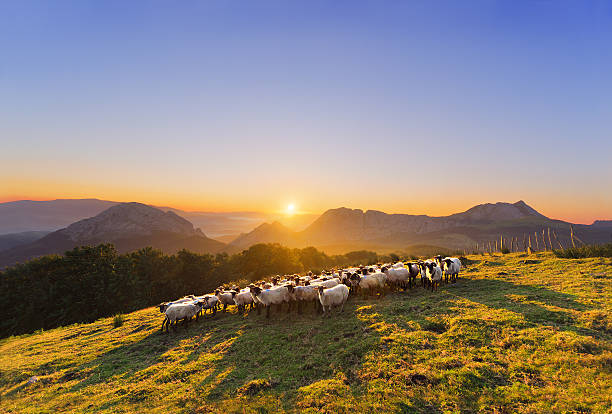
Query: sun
(290, 209)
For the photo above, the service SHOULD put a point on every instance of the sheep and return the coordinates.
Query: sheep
(333, 297)
(301, 294)
(372, 282)
(397, 276)
(451, 266)
(268, 297)
(434, 274)
(210, 302)
(164, 305)
(242, 299)
(413, 271)
(325, 283)
(178, 311)
(225, 298)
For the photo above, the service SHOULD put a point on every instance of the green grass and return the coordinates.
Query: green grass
(508, 337)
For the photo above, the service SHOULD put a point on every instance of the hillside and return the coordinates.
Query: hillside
(8, 241)
(129, 226)
(507, 337)
(342, 229)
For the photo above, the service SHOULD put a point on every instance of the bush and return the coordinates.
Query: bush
(118, 320)
(593, 250)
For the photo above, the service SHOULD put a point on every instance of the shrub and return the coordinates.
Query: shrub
(118, 320)
(592, 250)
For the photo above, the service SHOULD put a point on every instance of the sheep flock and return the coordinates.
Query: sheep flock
(331, 289)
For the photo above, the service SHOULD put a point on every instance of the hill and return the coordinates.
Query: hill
(343, 229)
(8, 241)
(129, 226)
(509, 336)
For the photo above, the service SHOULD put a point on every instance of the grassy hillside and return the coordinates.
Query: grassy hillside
(508, 337)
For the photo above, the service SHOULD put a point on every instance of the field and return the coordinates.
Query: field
(508, 337)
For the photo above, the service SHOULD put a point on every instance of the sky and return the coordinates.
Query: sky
(419, 107)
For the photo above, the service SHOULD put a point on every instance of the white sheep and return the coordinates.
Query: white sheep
(397, 276)
(333, 297)
(276, 295)
(225, 298)
(433, 273)
(372, 282)
(178, 311)
(452, 267)
(243, 299)
(329, 283)
(301, 294)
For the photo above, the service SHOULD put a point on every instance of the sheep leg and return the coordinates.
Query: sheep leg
(224, 307)
(268, 311)
(299, 307)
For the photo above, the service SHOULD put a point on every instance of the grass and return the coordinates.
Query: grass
(508, 337)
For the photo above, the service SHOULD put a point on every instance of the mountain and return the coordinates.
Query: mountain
(265, 233)
(11, 240)
(129, 226)
(29, 215)
(341, 229)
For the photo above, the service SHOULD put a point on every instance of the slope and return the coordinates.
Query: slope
(508, 337)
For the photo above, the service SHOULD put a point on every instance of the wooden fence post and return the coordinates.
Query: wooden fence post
(549, 240)
(557, 239)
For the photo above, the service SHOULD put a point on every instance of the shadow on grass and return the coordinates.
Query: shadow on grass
(128, 359)
(226, 355)
(286, 352)
(529, 301)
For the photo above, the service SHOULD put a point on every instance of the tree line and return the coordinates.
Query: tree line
(91, 282)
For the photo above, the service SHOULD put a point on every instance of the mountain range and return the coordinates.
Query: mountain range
(129, 226)
(28, 215)
(338, 230)
(133, 225)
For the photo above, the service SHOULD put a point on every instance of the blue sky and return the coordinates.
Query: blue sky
(403, 106)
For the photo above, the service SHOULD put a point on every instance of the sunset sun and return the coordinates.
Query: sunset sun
(290, 209)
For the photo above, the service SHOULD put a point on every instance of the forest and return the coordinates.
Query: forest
(91, 282)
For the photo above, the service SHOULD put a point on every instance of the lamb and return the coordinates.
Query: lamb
(333, 297)
(178, 311)
(451, 266)
(243, 299)
(268, 297)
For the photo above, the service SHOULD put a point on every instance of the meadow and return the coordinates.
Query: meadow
(517, 333)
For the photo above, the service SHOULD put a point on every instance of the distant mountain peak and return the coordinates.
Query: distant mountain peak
(133, 219)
